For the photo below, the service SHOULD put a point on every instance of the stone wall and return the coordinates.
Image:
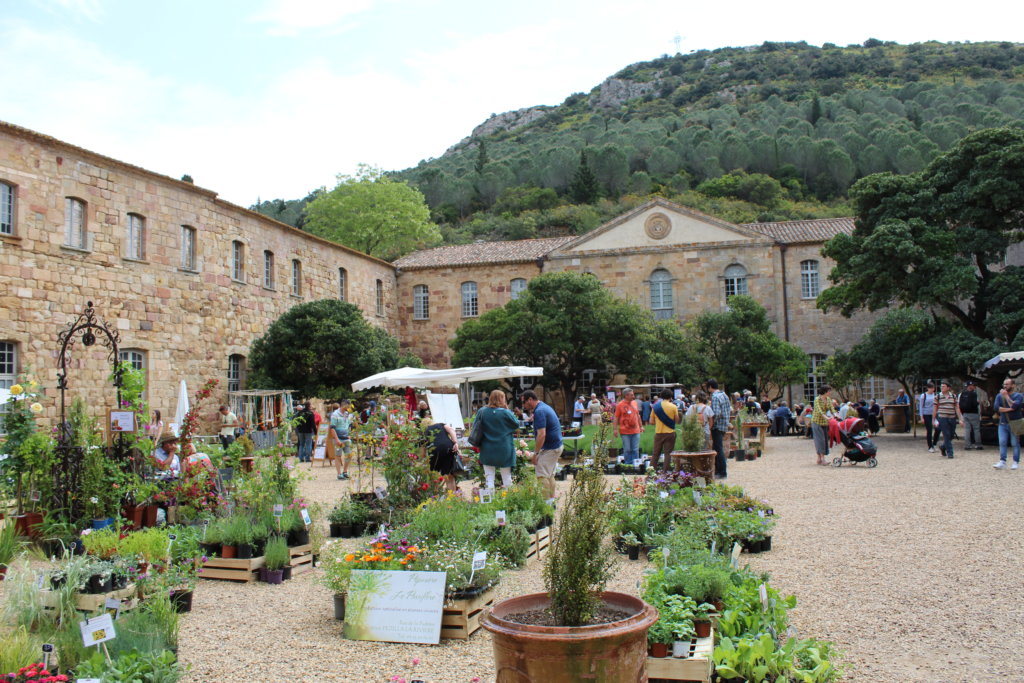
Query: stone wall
(429, 338)
(187, 321)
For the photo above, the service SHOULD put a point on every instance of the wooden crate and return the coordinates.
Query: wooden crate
(539, 546)
(233, 569)
(301, 558)
(698, 666)
(461, 618)
(90, 602)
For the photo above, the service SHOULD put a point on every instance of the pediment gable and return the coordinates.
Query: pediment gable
(658, 225)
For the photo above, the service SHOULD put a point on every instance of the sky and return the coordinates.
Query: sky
(266, 99)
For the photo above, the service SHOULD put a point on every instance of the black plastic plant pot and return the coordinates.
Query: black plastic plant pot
(182, 601)
(633, 552)
(339, 607)
(243, 551)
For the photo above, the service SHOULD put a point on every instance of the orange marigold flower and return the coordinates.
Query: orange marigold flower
(350, 557)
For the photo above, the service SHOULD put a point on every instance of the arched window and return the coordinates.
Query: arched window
(470, 309)
(7, 195)
(517, 287)
(236, 372)
(809, 286)
(238, 261)
(420, 302)
(342, 284)
(661, 294)
(136, 237)
(296, 277)
(735, 280)
(380, 297)
(814, 378)
(75, 234)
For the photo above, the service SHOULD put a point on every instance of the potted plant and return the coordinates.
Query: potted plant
(10, 546)
(340, 519)
(694, 448)
(574, 636)
(275, 558)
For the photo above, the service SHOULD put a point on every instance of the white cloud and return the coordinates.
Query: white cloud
(291, 17)
(89, 9)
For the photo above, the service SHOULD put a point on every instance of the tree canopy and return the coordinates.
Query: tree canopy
(320, 348)
(939, 239)
(568, 323)
(741, 350)
(373, 213)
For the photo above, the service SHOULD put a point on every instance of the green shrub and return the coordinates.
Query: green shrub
(513, 543)
(276, 556)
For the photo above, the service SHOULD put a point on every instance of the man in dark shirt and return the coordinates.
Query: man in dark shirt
(305, 427)
(970, 408)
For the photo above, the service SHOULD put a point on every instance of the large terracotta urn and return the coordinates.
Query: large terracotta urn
(615, 652)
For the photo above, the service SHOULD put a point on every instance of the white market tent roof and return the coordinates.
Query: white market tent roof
(451, 377)
(1011, 360)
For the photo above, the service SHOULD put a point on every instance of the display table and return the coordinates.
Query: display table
(699, 464)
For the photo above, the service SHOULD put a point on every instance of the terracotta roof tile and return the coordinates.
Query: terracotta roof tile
(513, 251)
(795, 232)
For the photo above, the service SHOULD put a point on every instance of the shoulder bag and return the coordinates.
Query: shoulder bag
(476, 432)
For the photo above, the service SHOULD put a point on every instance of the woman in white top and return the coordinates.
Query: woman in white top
(595, 410)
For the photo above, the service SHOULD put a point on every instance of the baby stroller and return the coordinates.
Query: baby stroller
(857, 447)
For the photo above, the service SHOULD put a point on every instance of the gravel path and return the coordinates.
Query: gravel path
(913, 569)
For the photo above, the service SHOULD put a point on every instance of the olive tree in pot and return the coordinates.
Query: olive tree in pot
(575, 631)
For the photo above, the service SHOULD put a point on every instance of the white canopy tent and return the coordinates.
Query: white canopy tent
(1011, 360)
(451, 377)
(179, 413)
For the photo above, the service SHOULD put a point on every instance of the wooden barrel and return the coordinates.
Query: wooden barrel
(895, 418)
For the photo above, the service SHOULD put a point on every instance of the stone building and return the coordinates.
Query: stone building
(187, 279)
(676, 261)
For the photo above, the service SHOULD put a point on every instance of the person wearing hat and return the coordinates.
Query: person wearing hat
(166, 453)
(970, 408)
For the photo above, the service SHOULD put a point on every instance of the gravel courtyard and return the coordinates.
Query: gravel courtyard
(914, 569)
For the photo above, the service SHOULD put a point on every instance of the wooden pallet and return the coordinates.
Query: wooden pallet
(461, 618)
(90, 602)
(698, 666)
(539, 546)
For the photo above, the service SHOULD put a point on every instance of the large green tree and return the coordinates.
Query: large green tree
(320, 348)
(741, 350)
(568, 323)
(373, 213)
(938, 239)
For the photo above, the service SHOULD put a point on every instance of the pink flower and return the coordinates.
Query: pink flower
(415, 661)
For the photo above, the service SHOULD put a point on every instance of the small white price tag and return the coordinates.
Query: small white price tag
(714, 545)
(379, 492)
(486, 495)
(479, 560)
(88, 680)
(305, 517)
(97, 630)
(383, 531)
(760, 513)
(763, 590)
(39, 582)
(34, 496)
(588, 462)
(278, 510)
(700, 482)
(665, 552)
(696, 496)
(663, 494)
(735, 557)
(113, 607)
(500, 516)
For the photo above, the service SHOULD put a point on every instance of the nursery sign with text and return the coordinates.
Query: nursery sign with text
(395, 606)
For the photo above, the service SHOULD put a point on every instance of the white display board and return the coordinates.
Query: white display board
(446, 408)
(395, 606)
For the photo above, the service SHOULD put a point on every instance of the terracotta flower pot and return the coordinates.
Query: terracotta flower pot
(603, 653)
(28, 524)
(227, 551)
(703, 628)
(149, 515)
(659, 650)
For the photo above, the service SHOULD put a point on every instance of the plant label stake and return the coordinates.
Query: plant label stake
(735, 559)
(663, 494)
(39, 582)
(500, 516)
(486, 495)
(664, 556)
(305, 517)
(97, 631)
(113, 607)
(47, 649)
(278, 510)
(713, 544)
(700, 482)
(379, 492)
(760, 513)
(696, 496)
(206, 525)
(34, 496)
(170, 542)
(479, 562)
(763, 591)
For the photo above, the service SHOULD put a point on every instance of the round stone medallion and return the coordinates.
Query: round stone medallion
(657, 226)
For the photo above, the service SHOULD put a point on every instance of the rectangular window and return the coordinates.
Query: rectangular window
(268, 269)
(342, 284)
(380, 297)
(238, 261)
(518, 286)
(809, 287)
(6, 209)
(420, 302)
(469, 300)
(188, 248)
(137, 359)
(74, 223)
(136, 236)
(296, 277)
(814, 379)
(8, 372)
(236, 365)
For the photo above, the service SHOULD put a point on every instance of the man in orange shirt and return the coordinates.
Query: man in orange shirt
(628, 426)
